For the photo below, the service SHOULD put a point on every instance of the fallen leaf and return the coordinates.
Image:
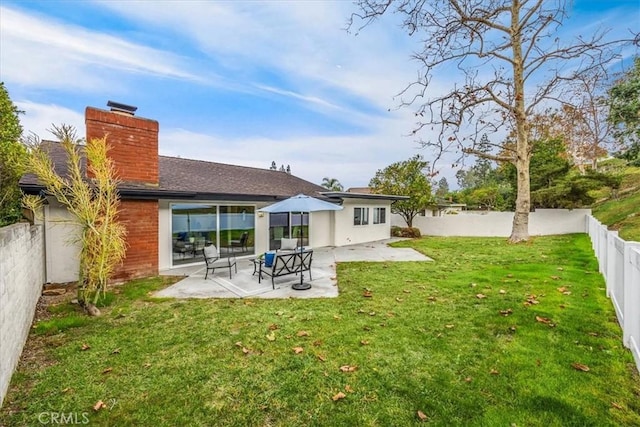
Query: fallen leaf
(468, 379)
(271, 336)
(509, 275)
(245, 350)
(297, 350)
(506, 312)
(338, 396)
(336, 317)
(406, 291)
(361, 311)
(116, 351)
(348, 368)
(555, 277)
(239, 344)
(147, 365)
(321, 358)
(544, 320)
(373, 313)
(399, 299)
(422, 416)
(248, 303)
(348, 388)
(431, 298)
(66, 390)
(99, 405)
(593, 334)
(616, 405)
(317, 343)
(561, 289)
(367, 294)
(494, 372)
(473, 285)
(449, 326)
(502, 291)
(481, 296)
(580, 367)
(560, 269)
(302, 334)
(107, 370)
(85, 347)
(273, 327)
(278, 313)
(364, 342)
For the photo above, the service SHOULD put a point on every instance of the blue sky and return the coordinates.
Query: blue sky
(239, 82)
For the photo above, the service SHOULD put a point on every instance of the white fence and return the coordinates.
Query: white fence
(619, 263)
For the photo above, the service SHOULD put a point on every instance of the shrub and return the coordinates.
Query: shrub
(411, 232)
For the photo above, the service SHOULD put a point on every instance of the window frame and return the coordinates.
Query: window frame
(363, 217)
(376, 215)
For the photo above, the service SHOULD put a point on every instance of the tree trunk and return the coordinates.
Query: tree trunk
(520, 228)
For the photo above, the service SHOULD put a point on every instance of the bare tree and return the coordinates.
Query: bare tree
(583, 124)
(512, 65)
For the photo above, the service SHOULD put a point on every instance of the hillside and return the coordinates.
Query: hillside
(621, 211)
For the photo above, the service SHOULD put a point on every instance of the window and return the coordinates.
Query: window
(379, 215)
(195, 225)
(360, 216)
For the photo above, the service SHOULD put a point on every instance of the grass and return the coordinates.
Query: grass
(622, 213)
(485, 335)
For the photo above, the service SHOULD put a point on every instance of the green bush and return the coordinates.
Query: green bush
(411, 232)
(396, 231)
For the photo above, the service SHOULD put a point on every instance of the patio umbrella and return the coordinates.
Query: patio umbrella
(301, 203)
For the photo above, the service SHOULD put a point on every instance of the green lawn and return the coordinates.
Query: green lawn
(490, 334)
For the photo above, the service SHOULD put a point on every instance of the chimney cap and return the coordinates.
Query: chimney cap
(122, 108)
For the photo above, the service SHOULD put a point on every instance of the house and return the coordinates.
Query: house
(173, 207)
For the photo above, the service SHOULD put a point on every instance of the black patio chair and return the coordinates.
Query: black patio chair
(241, 242)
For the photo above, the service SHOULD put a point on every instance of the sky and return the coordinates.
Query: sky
(237, 82)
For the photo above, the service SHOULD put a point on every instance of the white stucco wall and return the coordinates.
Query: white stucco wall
(21, 279)
(165, 251)
(498, 224)
(348, 234)
(61, 231)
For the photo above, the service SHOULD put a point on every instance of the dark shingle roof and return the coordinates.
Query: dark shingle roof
(198, 180)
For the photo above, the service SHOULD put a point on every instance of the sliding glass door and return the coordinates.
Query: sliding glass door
(194, 225)
(288, 225)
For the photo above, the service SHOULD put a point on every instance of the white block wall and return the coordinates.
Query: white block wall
(498, 224)
(21, 279)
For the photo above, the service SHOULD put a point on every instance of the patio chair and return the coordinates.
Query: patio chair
(213, 260)
(241, 242)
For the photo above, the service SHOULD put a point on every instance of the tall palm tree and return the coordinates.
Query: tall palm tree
(332, 184)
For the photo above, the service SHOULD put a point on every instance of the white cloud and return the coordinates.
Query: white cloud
(39, 118)
(39, 51)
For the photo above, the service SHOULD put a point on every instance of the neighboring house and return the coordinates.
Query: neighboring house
(172, 207)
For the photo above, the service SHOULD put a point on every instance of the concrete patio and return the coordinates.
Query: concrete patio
(244, 284)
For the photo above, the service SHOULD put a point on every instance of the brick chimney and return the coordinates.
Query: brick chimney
(133, 141)
(134, 151)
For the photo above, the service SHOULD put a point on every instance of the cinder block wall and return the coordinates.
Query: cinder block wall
(21, 279)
